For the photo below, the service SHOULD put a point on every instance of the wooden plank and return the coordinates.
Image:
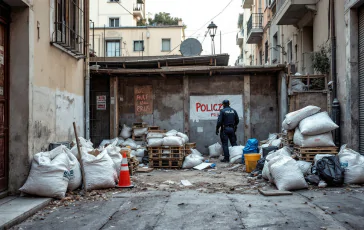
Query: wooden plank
(274, 192)
(116, 107)
(247, 126)
(144, 170)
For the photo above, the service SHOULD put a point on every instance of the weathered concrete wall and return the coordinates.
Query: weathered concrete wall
(264, 106)
(19, 97)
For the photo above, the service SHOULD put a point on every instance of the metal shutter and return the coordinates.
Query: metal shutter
(361, 79)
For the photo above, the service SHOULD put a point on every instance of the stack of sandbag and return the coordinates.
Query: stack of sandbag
(315, 131)
(174, 138)
(192, 160)
(273, 140)
(353, 164)
(125, 132)
(130, 143)
(292, 119)
(139, 153)
(114, 152)
(139, 132)
(105, 143)
(52, 173)
(285, 151)
(236, 154)
(155, 139)
(215, 150)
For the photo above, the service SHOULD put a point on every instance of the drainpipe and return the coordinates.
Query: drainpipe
(87, 71)
(335, 104)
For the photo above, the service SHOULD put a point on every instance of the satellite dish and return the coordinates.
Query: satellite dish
(191, 47)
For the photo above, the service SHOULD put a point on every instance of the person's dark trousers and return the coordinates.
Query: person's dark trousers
(226, 135)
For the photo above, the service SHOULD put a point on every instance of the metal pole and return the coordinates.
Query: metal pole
(93, 37)
(142, 45)
(104, 41)
(335, 104)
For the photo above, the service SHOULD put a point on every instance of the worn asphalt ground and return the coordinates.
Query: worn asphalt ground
(333, 209)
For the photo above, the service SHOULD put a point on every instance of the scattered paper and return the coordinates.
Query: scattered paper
(186, 183)
(203, 166)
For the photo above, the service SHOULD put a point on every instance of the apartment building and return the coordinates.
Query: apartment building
(115, 31)
(43, 50)
(245, 57)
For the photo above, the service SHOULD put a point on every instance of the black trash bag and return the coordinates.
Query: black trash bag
(260, 164)
(329, 170)
(313, 179)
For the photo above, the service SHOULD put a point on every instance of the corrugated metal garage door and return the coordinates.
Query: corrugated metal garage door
(361, 79)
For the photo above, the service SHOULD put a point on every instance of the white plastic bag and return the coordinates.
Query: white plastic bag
(287, 175)
(131, 143)
(155, 135)
(172, 141)
(305, 167)
(183, 136)
(317, 124)
(155, 142)
(83, 143)
(236, 160)
(293, 119)
(353, 163)
(280, 152)
(276, 143)
(321, 140)
(99, 171)
(140, 131)
(236, 151)
(172, 133)
(125, 132)
(104, 142)
(139, 152)
(192, 160)
(215, 150)
(49, 174)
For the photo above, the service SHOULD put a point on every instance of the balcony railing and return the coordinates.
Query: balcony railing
(138, 7)
(280, 3)
(255, 22)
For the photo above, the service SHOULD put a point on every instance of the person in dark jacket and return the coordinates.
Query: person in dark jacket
(227, 124)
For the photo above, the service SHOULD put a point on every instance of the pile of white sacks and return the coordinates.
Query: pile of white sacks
(313, 128)
(171, 138)
(53, 173)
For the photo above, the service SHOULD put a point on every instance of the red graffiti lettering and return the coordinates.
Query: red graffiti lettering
(198, 106)
(203, 107)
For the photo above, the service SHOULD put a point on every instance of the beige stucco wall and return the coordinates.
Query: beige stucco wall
(152, 45)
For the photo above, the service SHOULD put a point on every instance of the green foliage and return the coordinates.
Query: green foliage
(163, 18)
(321, 59)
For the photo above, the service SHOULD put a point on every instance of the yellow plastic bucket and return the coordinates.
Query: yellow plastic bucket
(251, 161)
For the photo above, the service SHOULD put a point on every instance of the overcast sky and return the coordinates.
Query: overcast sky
(195, 13)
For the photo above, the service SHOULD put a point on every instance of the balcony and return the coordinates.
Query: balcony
(247, 4)
(295, 12)
(138, 10)
(240, 38)
(239, 61)
(255, 28)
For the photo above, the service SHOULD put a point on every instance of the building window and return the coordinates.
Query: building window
(69, 26)
(289, 52)
(113, 48)
(113, 0)
(113, 22)
(139, 45)
(166, 44)
(275, 49)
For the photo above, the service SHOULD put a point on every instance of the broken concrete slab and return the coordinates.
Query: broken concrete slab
(274, 192)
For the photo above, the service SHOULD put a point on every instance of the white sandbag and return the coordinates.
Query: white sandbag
(155, 142)
(99, 171)
(172, 141)
(125, 132)
(75, 171)
(171, 133)
(293, 119)
(236, 160)
(276, 143)
(317, 124)
(49, 174)
(138, 132)
(280, 152)
(183, 136)
(114, 153)
(236, 151)
(140, 152)
(155, 135)
(104, 142)
(140, 159)
(215, 150)
(120, 142)
(353, 163)
(131, 143)
(287, 175)
(133, 153)
(85, 143)
(321, 140)
(305, 167)
(192, 160)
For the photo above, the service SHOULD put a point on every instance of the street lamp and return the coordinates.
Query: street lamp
(212, 30)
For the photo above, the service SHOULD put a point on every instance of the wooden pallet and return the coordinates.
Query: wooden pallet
(139, 125)
(168, 163)
(175, 153)
(152, 128)
(308, 154)
(157, 131)
(133, 164)
(188, 148)
(141, 138)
